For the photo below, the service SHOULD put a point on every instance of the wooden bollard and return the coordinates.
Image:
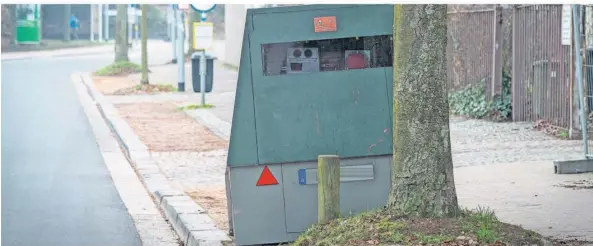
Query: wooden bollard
(328, 188)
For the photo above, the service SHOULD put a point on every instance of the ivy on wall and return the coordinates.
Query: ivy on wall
(472, 102)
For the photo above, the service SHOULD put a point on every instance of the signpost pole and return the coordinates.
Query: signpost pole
(203, 77)
(173, 24)
(180, 49)
(202, 9)
(203, 68)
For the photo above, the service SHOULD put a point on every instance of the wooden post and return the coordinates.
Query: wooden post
(328, 191)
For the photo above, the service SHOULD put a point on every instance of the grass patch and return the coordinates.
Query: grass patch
(145, 89)
(119, 69)
(195, 106)
(472, 227)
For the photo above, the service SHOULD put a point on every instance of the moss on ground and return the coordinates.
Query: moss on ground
(472, 227)
(145, 89)
(119, 69)
(195, 106)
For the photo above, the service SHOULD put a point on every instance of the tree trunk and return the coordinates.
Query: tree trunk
(121, 33)
(8, 24)
(422, 180)
(143, 32)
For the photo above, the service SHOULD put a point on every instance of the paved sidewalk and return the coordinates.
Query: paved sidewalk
(159, 52)
(85, 50)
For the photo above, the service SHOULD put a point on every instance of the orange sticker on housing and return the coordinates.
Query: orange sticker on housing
(325, 24)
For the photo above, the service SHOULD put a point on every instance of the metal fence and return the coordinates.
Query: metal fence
(470, 45)
(540, 66)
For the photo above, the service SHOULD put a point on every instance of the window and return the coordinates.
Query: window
(314, 56)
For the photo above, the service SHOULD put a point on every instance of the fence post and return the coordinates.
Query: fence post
(328, 188)
(497, 52)
(574, 113)
(514, 64)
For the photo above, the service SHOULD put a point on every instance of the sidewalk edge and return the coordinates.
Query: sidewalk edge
(189, 220)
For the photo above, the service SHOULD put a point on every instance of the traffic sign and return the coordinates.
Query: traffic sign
(203, 8)
(203, 35)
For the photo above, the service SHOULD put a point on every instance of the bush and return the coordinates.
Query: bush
(502, 104)
(471, 101)
(119, 69)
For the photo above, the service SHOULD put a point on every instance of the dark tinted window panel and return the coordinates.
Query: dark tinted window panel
(314, 56)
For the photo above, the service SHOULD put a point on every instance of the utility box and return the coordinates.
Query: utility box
(313, 80)
(195, 72)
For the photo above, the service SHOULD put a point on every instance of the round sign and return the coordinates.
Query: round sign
(203, 8)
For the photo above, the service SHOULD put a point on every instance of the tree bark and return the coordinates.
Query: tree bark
(143, 32)
(422, 180)
(121, 33)
(8, 24)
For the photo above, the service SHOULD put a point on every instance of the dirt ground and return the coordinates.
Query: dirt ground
(164, 128)
(215, 202)
(109, 85)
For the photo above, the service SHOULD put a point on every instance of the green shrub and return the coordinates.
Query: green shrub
(471, 101)
(119, 68)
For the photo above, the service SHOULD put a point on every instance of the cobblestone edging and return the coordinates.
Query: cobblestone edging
(189, 220)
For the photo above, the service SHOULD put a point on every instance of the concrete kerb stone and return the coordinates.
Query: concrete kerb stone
(205, 238)
(192, 229)
(573, 166)
(177, 206)
(195, 222)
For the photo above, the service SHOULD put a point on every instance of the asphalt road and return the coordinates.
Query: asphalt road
(56, 189)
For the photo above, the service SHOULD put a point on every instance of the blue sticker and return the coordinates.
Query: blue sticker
(302, 177)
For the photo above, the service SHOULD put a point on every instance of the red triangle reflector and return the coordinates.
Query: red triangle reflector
(266, 178)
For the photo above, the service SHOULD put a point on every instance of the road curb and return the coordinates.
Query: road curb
(188, 219)
(59, 52)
